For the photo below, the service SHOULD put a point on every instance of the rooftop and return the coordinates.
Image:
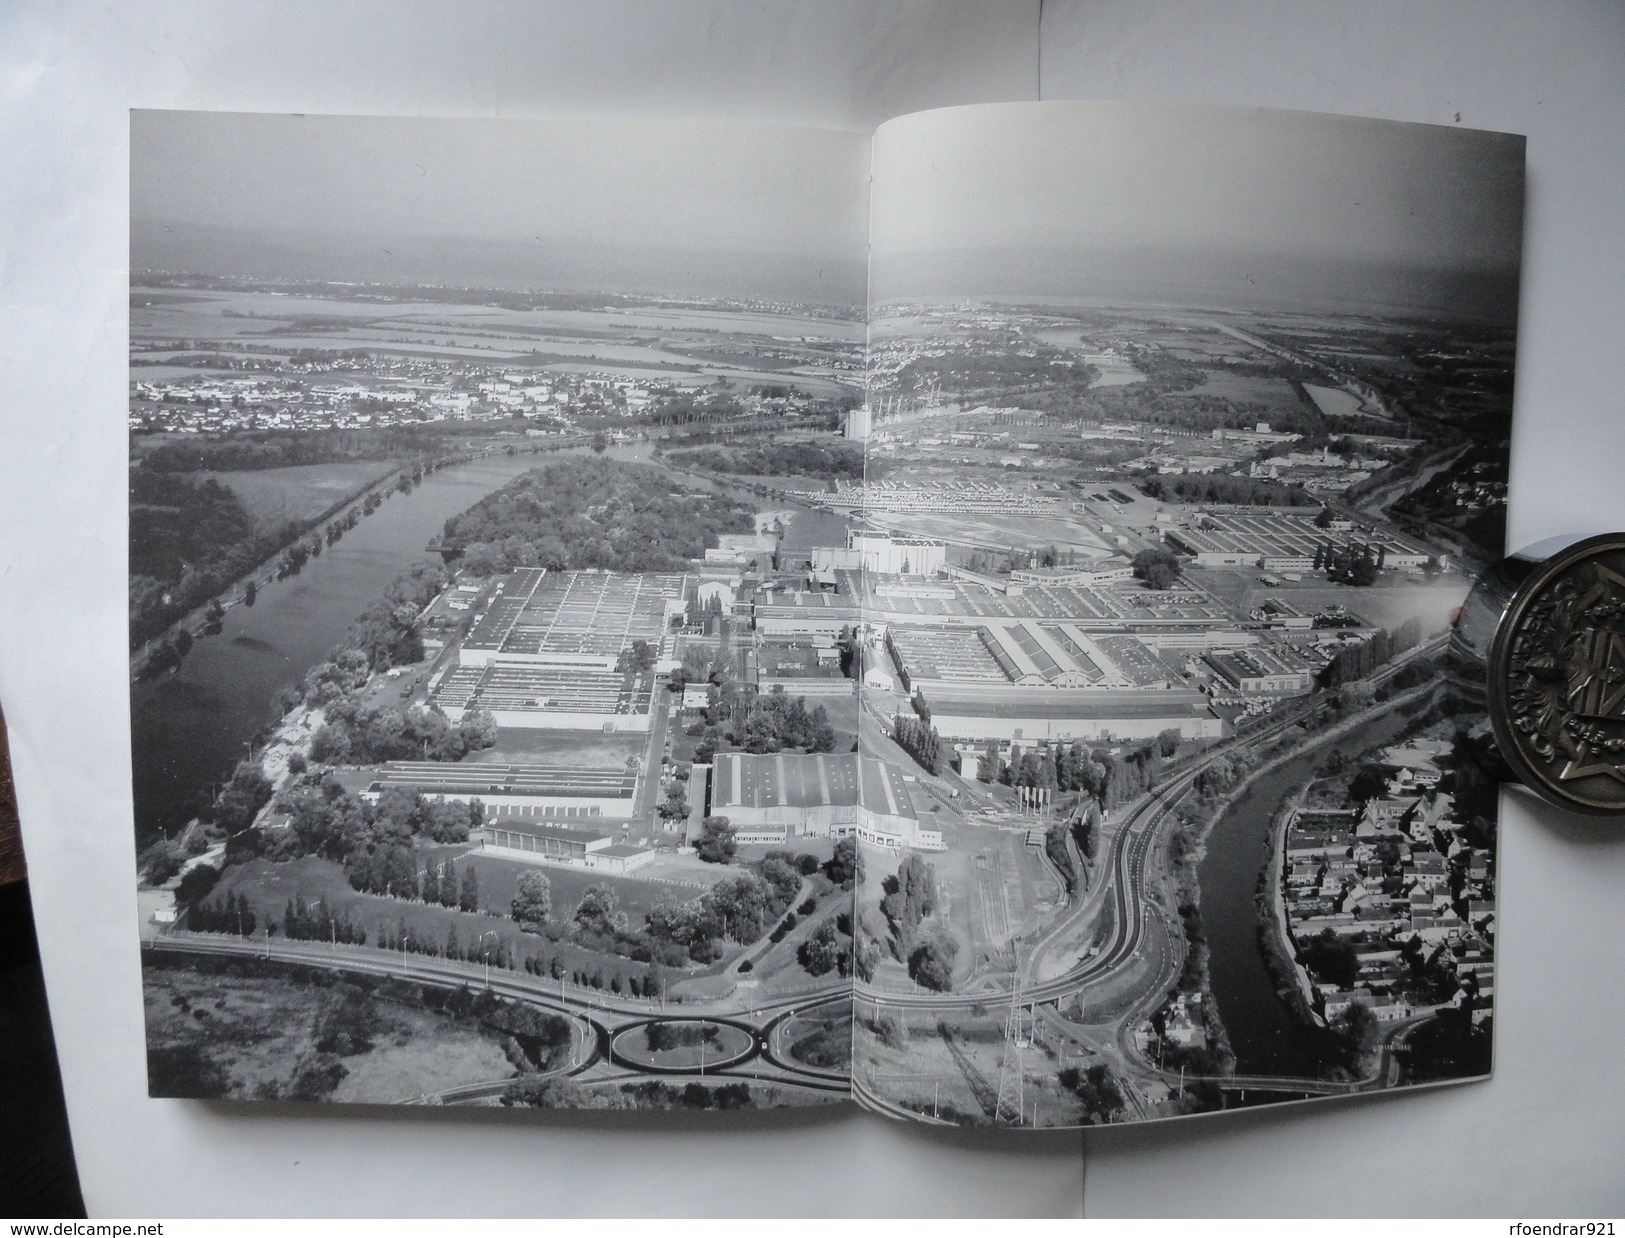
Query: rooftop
(794, 780)
(543, 829)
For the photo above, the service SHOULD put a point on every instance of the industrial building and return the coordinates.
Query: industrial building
(540, 843)
(1263, 671)
(1026, 715)
(538, 790)
(539, 696)
(883, 553)
(1028, 654)
(774, 797)
(549, 651)
(585, 618)
(1284, 541)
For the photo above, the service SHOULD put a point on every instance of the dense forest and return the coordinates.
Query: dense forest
(1224, 488)
(838, 458)
(176, 522)
(429, 445)
(188, 539)
(594, 514)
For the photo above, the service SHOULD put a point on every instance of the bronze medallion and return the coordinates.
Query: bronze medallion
(1557, 677)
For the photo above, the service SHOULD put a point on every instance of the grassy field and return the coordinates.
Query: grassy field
(714, 1042)
(301, 492)
(582, 748)
(420, 1053)
(269, 886)
(499, 881)
(953, 1068)
(254, 1035)
(822, 1036)
(1250, 389)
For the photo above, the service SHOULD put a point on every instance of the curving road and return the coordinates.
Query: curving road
(1136, 919)
(599, 1018)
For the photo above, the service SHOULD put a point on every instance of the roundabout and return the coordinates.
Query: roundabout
(684, 1046)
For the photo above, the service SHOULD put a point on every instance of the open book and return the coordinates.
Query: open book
(651, 615)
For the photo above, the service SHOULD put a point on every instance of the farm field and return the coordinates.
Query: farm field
(300, 492)
(1334, 401)
(1248, 389)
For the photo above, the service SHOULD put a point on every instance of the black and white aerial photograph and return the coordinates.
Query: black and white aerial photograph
(461, 454)
(654, 616)
(1187, 432)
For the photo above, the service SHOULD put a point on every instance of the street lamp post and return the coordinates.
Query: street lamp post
(331, 924)
(485, 953)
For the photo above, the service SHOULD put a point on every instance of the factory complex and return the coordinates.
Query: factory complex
(1074, 650)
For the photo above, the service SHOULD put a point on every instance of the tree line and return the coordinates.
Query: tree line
(1361, 661)
(1223, 488)
(1107, 777)
(838, 458)
(919, 739)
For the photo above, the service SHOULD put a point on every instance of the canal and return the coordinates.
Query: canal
(1265, 1035)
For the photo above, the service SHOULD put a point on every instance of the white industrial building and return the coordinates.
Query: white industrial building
(774, 797)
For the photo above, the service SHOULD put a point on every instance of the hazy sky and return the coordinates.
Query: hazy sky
(552, 203)
(1169, 202)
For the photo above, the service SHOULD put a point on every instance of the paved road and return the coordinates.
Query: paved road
(601, 1018)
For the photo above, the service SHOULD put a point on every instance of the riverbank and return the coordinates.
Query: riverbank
(1239, 844)
(264, 573)
(234, 592)
(190, 727)
(1274, 933)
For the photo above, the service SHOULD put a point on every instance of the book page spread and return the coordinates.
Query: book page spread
(644, 615)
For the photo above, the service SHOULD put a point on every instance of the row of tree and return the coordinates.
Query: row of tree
(919, 739)
(1110, 778)
(1223, 488)
(441, 885)
(831, 459)
(231, 914)
(1360, 661)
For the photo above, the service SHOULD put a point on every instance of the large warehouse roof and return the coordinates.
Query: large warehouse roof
(791, 780)
(1061, 703)
(479, 778)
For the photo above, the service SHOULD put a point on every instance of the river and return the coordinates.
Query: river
(189, 728)
(1265, 1035)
